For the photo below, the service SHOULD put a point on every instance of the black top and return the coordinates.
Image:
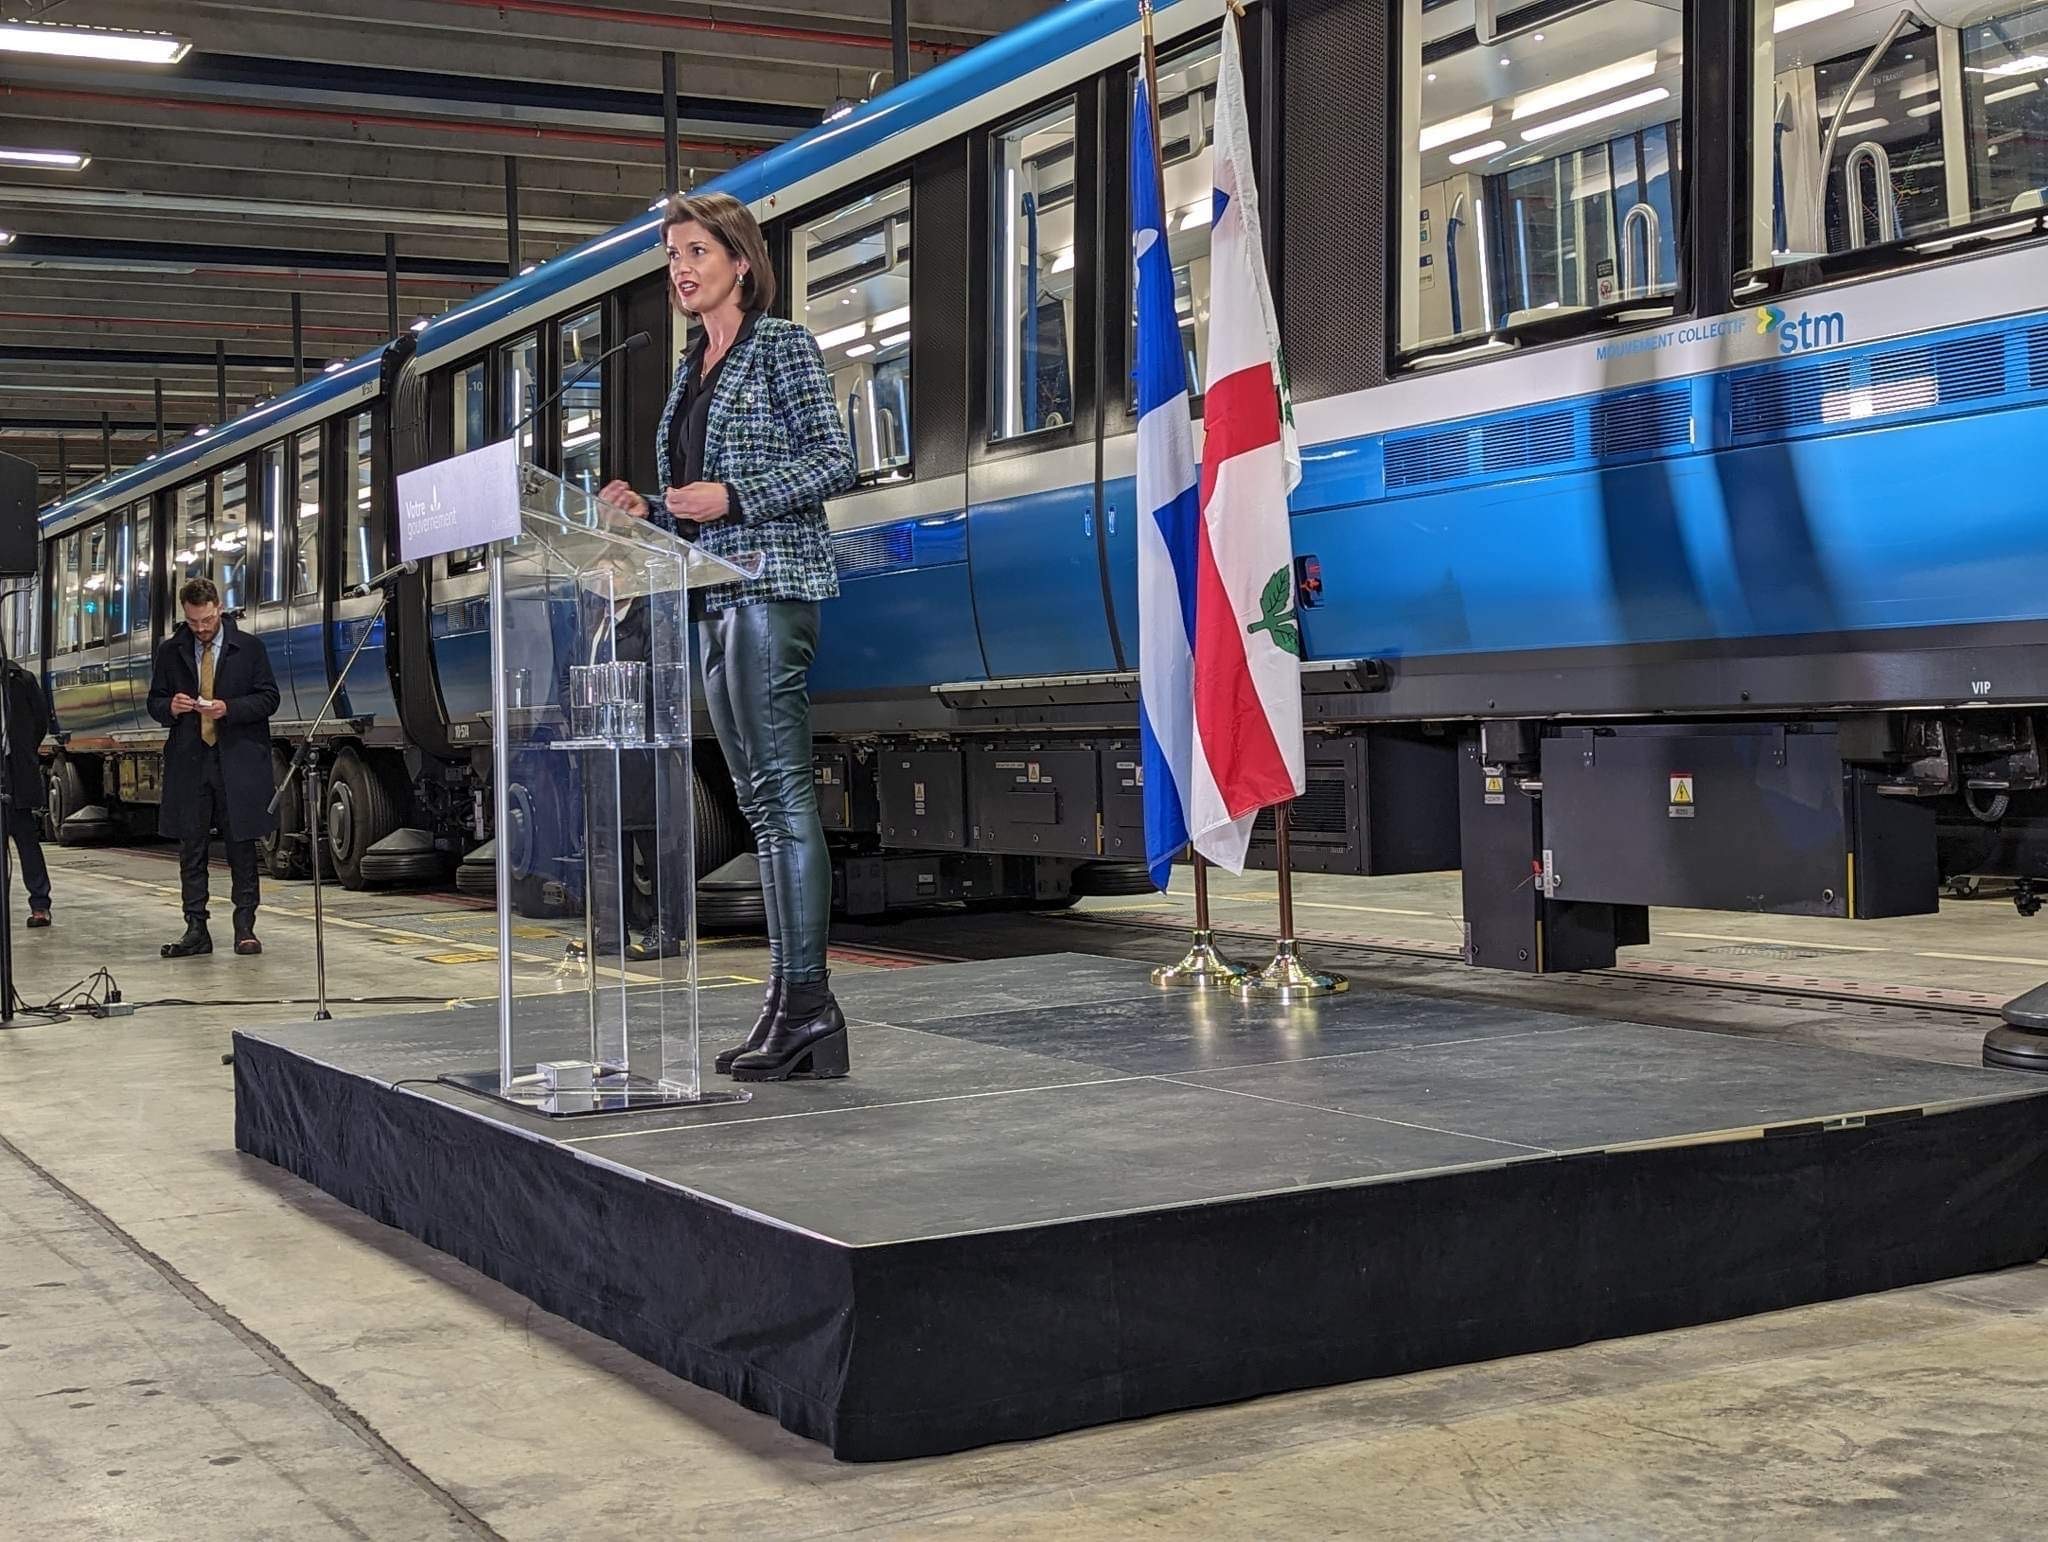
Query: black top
(692, 420)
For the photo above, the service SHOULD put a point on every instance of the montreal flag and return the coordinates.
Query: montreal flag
(1220, 645)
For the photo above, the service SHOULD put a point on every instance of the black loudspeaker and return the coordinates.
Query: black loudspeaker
(17, 517)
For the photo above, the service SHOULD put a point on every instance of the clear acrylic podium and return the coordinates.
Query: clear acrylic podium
(591, 690)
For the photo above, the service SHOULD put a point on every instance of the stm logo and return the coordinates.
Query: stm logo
(1805, 331)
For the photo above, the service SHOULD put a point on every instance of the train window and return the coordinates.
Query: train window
(306, 538)
(469, 409)
(1832, 169)
(470, 428)
(2005, 94)
(70, 616)
(358, 561)
(93, 591)
(1031, 292)
(192, 530)
(582, 412)
(519, 375)
(1542, 169)
(231, 537)
(851, 269)
(141, 562)
(273, 528)
(120, 560)
(1187, 120)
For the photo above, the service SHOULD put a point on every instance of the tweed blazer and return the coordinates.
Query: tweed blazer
(776, 439)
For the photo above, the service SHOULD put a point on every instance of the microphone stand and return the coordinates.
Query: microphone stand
(306, 761)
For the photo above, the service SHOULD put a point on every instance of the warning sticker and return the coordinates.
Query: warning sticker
(1682, 801)
(1496, 789)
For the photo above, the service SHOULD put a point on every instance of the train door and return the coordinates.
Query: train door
(1035, 523)
(1187, 119)
(137, 600)
(268, 604)
(301, 540)
(483, 399)
(359, 545)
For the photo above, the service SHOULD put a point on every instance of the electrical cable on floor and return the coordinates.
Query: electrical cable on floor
(299, 1001)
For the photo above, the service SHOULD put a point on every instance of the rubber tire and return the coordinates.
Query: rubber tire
(66, 796)
(722, 832)
(358, 802)
(282, 854)
(1112, 879)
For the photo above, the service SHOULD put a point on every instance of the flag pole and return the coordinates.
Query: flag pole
(1287, 978)
(1203, 969)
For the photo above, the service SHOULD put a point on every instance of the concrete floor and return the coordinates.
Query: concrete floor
(195, 1345)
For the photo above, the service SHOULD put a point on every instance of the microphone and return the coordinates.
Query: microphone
(637, 340)
(370, 585)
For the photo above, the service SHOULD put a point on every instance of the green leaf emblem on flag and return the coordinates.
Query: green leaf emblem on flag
(1277, 614)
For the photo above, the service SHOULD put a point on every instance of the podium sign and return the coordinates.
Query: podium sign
(591, 697)
(467, 500)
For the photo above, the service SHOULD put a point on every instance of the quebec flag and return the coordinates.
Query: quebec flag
(1170, 522)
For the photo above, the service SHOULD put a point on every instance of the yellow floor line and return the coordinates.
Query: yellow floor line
(1779, 942)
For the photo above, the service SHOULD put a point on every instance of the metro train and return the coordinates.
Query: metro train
(1671, 378)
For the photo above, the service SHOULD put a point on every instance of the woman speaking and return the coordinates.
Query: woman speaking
(751, 446)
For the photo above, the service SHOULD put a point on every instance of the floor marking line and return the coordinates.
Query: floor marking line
(321, 1396)
(1778, 942)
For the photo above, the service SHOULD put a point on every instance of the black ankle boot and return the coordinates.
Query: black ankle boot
(196, 940)
(807, 1038)
(770, 1005)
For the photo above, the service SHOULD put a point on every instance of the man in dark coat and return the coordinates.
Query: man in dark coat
(212, 687)
(28, 720)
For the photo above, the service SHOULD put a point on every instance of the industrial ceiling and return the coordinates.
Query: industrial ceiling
(294, 148)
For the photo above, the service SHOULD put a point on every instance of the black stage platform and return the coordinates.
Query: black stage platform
(1050, 1196)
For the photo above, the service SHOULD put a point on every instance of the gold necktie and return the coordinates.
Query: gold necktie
(208, 729)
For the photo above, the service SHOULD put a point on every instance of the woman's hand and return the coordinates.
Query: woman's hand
(701, 502)
(620, 495)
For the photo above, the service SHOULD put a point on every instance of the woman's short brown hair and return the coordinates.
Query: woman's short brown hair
(733, 228)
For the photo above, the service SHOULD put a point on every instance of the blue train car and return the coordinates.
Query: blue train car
(1667, 375)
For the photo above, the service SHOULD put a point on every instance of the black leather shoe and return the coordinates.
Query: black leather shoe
(757, 1035)
(38, 918)
(657, 942)
(808, 1038)
(247, 945)
(196, 940)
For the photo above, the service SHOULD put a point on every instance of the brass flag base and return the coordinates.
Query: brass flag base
(1287, 978)
(1204, 969)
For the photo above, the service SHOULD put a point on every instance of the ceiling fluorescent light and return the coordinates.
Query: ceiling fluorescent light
(1868, 125)
(58, 160)
(69, 42)
(1924, 110)
(1064, 263)
(1797, 13)
(838, 335)
(1544, 99)
(2010, 92)
(888, 321)
(1451, 130)
(891, 342)
(860, 350)
(1595, 114)
(1479, 152)
(6, 237)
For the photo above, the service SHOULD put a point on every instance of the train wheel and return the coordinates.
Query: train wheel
(359, 814)
(283, 853)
